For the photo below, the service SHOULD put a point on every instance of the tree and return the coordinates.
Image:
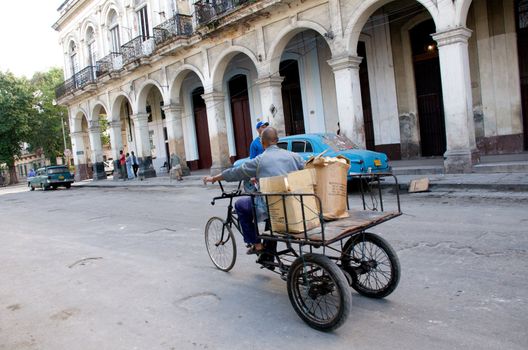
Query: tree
(16, 108)
(46, 125)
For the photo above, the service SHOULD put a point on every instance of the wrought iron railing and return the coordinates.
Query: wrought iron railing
(208, 10)
(133, 50)
(179, 25)
(77, 81)
(106, 64)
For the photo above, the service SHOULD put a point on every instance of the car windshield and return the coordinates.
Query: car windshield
(339, 142)
(57, 170)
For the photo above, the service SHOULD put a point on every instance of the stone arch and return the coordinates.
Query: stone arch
(176, 84)
(144, 90)
(220, 66)
(283, 38)
(116, 106)
(461, 12)
(362, 13)
(96, 110)
(77, 117)
(109, 6)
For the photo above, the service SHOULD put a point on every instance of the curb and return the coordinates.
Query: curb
(473, 186)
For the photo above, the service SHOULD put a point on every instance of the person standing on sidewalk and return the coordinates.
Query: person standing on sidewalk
(130, 172)
(122, 164)
(256, 146)
(135, 164)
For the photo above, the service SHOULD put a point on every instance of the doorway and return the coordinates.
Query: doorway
(522, 48)
(202, 129)
(428, 89)
(291, 97)
(241, 115)
(365, 97)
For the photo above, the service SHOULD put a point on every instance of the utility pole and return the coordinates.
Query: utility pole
(64, 139)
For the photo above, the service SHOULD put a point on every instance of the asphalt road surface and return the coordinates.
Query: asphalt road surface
(127, 269)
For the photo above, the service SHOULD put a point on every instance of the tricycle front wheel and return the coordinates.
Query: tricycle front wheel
(373, 265)
(319, 292)
(220, 243)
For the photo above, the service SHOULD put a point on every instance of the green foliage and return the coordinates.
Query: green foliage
(46, 123)
(105, 135)
(16, 109)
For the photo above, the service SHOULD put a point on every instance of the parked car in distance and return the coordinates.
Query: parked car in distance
(307, 145)
(51, 177)
(109, 167)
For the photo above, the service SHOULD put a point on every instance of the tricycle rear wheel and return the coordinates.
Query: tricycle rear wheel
(373, 265)
(220, 243)
(319, 292)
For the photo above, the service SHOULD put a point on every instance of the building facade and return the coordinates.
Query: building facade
(411, 78)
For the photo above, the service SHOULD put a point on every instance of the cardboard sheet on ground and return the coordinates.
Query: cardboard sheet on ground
(299, 182)
(331, 184)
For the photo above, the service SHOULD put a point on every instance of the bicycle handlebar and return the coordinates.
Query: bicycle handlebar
(232, 194)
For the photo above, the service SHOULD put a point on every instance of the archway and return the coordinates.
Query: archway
(100, 142)
(122, 136)
(428, 89)
(232, 73)
(187, 139)
(521, 10)
(240, 114)
(309, 99)
(202, 130)
(391, 47)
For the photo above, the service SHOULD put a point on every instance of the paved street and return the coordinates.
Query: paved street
(126, 268)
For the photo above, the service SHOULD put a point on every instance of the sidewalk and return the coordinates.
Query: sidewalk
(492, 182)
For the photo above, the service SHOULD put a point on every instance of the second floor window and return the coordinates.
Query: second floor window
(74, 64)
(92, 50)
(115, 41)
(143, 23)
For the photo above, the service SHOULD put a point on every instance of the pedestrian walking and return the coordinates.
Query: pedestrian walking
(135, 164)
(129, 170)
(122, 165)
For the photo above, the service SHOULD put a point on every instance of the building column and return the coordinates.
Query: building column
(173, 122)
(116, 142)
(270, 90)
(146, 169)
(461, 151)
(348, 93)
(79, 158)
(214, 101)
(94, 132)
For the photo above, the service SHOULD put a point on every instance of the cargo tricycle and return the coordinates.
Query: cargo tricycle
(322, 263)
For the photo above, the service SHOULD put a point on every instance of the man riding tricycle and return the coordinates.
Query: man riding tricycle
(319, 259)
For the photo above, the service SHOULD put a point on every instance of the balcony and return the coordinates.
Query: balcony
(137, 48)
(78, 81)
(207, 12)
(108, 64)
(176, 27)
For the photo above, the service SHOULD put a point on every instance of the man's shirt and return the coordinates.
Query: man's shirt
(255, 149)
(273, 162)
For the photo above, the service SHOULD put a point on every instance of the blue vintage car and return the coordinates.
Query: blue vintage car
(51, 177)
(307, 145)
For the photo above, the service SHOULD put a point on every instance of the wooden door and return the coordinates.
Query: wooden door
(365, 97)
(428, 90)
(241, 115)
(522, 48)
(292, 98)
(202, 130)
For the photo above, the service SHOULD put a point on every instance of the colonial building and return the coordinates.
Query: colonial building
(412, 78)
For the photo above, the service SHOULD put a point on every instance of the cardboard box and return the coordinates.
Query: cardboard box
(297, 182)
(331, 184)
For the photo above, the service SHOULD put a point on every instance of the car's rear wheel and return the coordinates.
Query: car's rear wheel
(31, 187)
(67, 186)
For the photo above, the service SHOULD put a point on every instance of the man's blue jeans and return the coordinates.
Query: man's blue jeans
(244, 209)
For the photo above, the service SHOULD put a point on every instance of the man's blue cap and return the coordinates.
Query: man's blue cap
(261, 123)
